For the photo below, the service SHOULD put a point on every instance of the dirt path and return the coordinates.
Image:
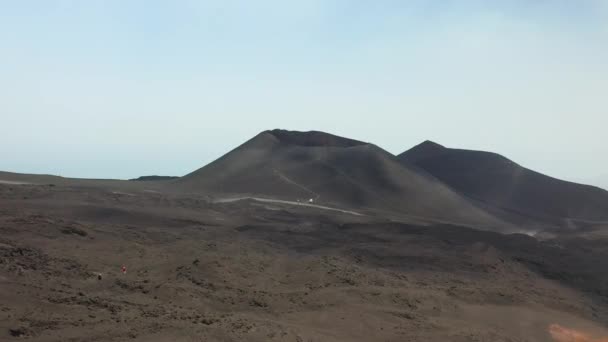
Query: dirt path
(268, 200)
(13, 182)
(290, 181)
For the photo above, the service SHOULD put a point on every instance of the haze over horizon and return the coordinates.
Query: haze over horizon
(118, 90)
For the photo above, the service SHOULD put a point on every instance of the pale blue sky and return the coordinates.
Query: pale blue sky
(126, 88)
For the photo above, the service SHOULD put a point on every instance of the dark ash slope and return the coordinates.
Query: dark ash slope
(332, 170)
(498, 181)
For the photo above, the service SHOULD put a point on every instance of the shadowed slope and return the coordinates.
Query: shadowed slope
(498, 181)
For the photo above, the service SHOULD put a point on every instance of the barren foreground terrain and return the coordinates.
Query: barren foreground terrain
(199, 270)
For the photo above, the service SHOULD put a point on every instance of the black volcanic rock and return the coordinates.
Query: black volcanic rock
(498, 181)
(313, 138)
(153, 178)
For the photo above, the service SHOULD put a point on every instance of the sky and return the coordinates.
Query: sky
(123, 88)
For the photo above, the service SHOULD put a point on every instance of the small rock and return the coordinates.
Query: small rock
(18, 332)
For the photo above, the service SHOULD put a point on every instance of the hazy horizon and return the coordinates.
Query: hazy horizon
(113, 89)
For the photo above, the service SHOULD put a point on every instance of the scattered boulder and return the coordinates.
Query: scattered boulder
(19, 332)
(74, 231)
